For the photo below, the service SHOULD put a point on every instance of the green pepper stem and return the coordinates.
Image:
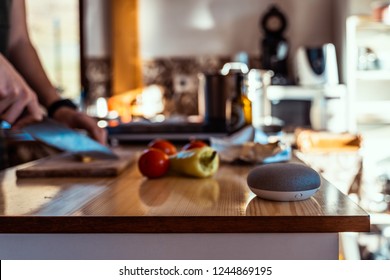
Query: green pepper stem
(211, 158)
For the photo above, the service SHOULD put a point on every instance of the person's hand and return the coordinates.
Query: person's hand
(76, 119)
(18, 102)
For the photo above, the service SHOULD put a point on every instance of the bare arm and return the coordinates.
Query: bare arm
(23, 56)
(16, 97)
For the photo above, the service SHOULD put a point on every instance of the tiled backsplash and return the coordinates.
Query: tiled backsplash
(179, 78)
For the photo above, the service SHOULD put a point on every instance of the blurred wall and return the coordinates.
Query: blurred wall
(224, 27)
(97, 28)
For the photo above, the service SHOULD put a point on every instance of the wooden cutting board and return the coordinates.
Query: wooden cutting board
(66, 165)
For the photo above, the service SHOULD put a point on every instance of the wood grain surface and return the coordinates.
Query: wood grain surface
(67, 165)
(130, 203)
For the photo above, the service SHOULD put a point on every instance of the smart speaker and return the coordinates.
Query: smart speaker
(284, 181)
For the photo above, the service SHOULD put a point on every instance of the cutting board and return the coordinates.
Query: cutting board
(66, 165)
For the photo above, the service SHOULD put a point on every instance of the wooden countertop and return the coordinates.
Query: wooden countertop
(131, 203)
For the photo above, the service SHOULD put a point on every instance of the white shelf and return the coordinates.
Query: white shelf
(305, 92)
(368, 101)
(369, 112)
(373, 75)
(366, 23)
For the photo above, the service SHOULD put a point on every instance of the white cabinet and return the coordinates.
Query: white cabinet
(368, 71)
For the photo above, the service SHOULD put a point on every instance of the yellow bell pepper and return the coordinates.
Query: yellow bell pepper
(198, 162)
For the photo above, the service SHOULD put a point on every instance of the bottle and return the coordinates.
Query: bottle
(247, 106)
(237, 115)
(257, 82)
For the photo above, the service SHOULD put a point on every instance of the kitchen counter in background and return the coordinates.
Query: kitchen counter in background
(130, 217)
(364, 175)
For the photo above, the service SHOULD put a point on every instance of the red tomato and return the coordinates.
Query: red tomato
(153, 163)
(194, 144)
(163, 145)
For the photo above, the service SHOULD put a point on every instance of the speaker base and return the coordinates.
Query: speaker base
(284, 196)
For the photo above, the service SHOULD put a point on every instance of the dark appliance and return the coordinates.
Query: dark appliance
(274, 46)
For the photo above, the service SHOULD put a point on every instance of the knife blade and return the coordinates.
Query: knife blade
(66, 139)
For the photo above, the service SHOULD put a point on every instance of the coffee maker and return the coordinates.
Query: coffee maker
(316, 66)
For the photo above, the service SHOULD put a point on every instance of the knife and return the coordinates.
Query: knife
(63, 138)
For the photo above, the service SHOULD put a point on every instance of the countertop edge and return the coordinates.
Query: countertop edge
(172, 224)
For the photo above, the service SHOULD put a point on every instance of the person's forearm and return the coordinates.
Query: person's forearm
(33, 72)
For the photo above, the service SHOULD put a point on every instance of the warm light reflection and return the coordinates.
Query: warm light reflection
(159, 118)
(102, 124)
(151, 102)
(147, 102)
(122, 104)
(200, 194)
(25, 196)
(101, 107)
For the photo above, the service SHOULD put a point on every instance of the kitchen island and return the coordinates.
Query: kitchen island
(131, 217)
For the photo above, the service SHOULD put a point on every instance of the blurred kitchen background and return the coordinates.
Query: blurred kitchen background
(153, 67)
